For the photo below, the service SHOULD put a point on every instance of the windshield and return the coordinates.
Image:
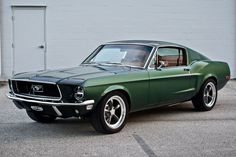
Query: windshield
(128, 55)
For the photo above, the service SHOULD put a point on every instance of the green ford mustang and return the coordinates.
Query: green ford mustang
(118, 78)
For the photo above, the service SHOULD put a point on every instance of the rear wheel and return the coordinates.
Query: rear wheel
(36, 116)
(206, 98)
(110, 115)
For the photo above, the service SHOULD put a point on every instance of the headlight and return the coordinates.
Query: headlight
(79, 93)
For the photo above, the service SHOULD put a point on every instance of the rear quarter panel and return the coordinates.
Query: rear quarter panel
(203, 70)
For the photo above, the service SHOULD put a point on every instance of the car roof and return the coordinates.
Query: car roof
(145, 42)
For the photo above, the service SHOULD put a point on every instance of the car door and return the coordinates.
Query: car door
(169, 82)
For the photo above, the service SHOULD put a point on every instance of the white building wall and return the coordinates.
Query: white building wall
(0, 41)
(75, 27)
(0, 49)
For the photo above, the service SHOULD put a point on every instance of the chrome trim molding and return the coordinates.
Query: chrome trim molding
(38, 96)
(28, 80)
(149, 59)
(57, 111)
(152, 57)
(186, 90)
(120, 43)
(174, 46)
(87, 102)
(173, 76)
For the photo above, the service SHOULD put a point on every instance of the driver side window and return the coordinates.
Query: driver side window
(171, 57)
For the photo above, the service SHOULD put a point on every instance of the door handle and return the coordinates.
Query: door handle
(41, 46)
(187, 69)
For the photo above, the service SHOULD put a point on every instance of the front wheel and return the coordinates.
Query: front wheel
(206, 98)
(40, 117)
(111, 114)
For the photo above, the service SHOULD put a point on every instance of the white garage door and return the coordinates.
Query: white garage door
(29, 38)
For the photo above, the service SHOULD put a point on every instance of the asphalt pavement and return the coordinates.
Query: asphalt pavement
(176, 130)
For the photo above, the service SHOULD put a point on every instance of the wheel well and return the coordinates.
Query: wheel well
(125, 94)
(204, 81)
(213, 78)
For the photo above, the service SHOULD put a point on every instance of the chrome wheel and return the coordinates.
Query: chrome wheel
(114, 112)
(111, 113)
(209, 94)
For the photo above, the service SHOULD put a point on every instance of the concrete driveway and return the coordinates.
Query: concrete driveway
(168, 131)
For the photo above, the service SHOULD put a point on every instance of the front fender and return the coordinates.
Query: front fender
(115, 87)
(98, 92)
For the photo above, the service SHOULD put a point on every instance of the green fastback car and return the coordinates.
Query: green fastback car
(118, 78)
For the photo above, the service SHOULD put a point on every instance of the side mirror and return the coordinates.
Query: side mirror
(162, 64)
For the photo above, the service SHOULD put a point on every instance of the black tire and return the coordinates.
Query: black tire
(108, 111)
(203, 101)
(40, 117)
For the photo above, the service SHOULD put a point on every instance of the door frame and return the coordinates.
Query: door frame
(186, 73)
(13, 8)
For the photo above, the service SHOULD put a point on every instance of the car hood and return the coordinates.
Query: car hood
(73, 75)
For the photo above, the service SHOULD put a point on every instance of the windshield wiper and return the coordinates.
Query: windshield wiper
(116, 63)
(108, 63)
(103, 63)
(90, 63)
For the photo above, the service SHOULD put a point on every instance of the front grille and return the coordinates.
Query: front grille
(36, 89)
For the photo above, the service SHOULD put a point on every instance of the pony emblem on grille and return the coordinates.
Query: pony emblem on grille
(37, 88)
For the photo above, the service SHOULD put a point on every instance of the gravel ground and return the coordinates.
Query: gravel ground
(168, 131)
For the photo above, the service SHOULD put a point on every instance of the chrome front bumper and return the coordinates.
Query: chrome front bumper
(13, 97)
